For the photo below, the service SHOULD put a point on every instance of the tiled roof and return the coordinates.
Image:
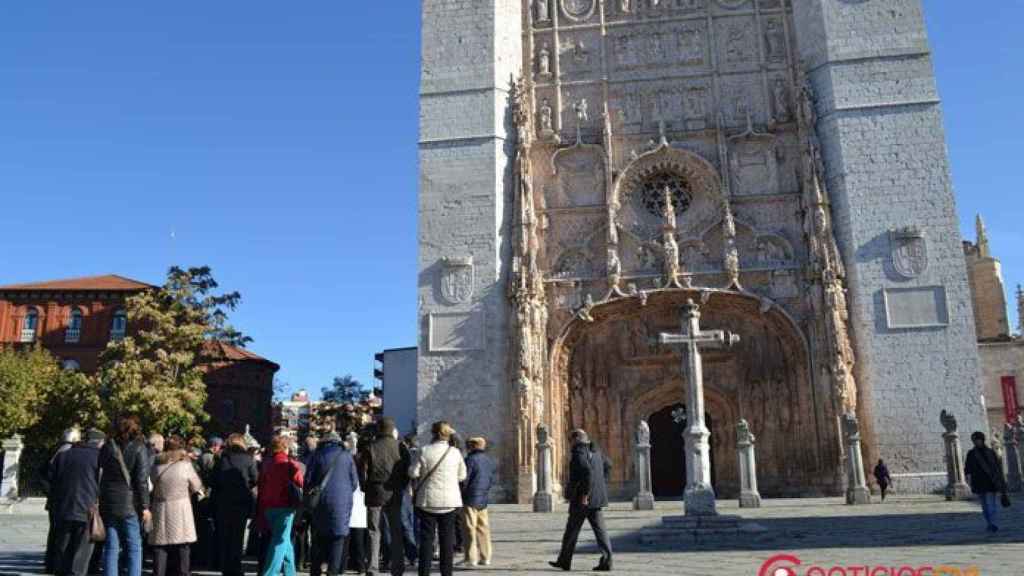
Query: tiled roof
(215, 350)
(110, 282)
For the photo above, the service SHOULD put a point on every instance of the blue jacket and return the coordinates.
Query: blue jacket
(480, 473)
(334, 511)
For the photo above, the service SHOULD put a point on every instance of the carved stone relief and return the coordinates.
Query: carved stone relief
(736, 40)
(579, 173)
(753, 163)
(774, 40)
(456, 280)
(578, 10)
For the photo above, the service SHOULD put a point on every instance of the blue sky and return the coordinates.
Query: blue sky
(278, 142)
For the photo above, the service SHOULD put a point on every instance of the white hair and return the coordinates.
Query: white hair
(72, 435)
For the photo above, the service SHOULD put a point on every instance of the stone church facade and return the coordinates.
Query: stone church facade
(589, 166)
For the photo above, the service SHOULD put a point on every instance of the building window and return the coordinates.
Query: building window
(119, 325)
(74, 331)
(28, 329)
(70, 365)
(227, 410)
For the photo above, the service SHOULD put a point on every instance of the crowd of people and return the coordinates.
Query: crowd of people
(362, 502)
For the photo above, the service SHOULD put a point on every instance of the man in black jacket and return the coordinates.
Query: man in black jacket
(984, 472)
(124, 496)
(587, 493)
(75, 475)
(384, 478)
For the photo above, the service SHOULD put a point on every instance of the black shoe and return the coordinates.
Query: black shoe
(559, 565)
(603, 568)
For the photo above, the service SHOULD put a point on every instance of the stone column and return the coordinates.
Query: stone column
(1011, 458)
(543, 501)
(956, 488)
(12, 454)
(749, 495)
(857, 491)
(644, 499)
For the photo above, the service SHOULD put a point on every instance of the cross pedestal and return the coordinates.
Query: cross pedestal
(699, 496)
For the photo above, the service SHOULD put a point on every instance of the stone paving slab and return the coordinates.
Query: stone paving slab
(905, 531)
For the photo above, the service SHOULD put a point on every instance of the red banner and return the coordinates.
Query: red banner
(1010, 397)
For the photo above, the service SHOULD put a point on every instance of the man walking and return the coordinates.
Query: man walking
(476, 526)
(587, 494)
(984, 472)
(385, 478)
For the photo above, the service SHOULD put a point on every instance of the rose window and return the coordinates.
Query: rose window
(651, 193)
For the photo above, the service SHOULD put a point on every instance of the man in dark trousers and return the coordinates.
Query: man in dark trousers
(75, 474)
(384, 479)
(984, 471)
(587, 493)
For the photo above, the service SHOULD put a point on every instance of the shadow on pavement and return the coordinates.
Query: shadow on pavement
(875, 531)
(13, 563)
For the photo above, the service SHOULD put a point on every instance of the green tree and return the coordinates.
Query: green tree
(24, 375)
(344, 389)
(155, 371)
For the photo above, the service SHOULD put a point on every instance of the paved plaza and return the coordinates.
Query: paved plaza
(905, 531)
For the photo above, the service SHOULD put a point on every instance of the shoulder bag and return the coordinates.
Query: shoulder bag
(97, 531)
(422, 481)
(312, 498)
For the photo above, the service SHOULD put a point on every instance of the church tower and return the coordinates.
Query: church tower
(881, 130)
(471, 53)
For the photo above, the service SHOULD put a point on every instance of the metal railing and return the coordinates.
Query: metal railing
(28, 335)
(116, 334)
(72, 335)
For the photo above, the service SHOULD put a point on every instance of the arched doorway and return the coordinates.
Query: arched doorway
(609, 373)
(668, 451)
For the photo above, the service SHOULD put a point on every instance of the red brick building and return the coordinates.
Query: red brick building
(75, 319)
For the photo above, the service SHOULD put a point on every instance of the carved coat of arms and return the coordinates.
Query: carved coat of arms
(457, 279)
(909, 252)
(578, 9)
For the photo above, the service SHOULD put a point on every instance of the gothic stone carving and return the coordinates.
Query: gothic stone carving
(909, 252)
(457, 279)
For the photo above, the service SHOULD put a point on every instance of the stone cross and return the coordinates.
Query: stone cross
(644, 499)
(699, 495)
(956, 488)
(749, 495)
(12, 454)
(543, 501)
(1011, 451)
(857, 491)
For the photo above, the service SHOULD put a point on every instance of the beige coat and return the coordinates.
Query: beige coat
(174, 481)
(440, 493)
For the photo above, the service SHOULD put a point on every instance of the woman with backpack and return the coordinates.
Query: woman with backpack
(280, 489)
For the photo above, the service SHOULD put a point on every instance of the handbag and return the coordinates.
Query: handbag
(422, 481)
(97, 531)
(312, 498)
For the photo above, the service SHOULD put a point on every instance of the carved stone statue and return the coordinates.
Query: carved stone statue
(543, 10)
(948, 421)
(614, 270)
(544, 60)
(780, 98)
(624, 6)
(643, 433)
(743, 433)
(851, 427)
(671, 264)
(775, 42)
(582, 111)
(545, 117)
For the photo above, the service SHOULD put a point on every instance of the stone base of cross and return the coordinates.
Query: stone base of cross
(699, 496)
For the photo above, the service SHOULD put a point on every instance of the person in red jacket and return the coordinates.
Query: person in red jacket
(275, 505)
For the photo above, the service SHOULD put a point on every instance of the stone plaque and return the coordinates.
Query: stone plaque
(922, 307)
(456, 331)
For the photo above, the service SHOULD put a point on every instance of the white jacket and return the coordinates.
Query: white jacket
(440, 493)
